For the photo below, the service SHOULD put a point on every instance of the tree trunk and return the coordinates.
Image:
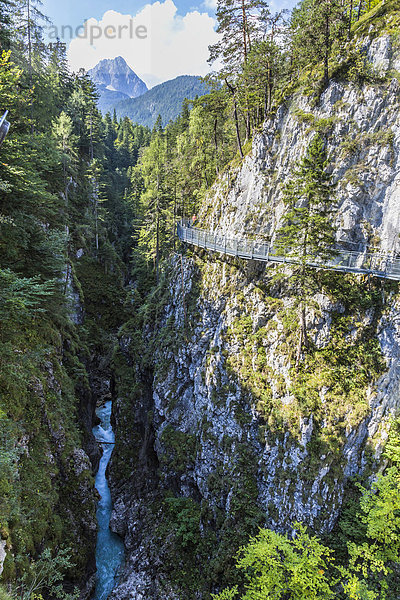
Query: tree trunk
(248, 125)
(158, 225)
(216, 145)
(157, 243)
(205, 167)
(268, 91)
(97, 224)
(303, 340)
(360, 5)
(299, 347)
(350, 17)
(235, 114)
(91, 148)
(30, 63)
(236, 118)
(244, 29)
(246, 47)
(327, 49)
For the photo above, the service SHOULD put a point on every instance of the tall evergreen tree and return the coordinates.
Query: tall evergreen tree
(238, 26)
(307, 232)
(5, 22)
(316, 26)
(238, 22)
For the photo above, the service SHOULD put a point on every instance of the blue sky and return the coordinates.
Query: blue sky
(178, 33)
(74, 12)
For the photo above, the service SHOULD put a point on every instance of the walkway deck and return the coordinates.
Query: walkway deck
(379, 265)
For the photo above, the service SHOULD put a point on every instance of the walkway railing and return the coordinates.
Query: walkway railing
(379, 265)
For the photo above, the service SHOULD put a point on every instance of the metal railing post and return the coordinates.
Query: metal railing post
(386, 266)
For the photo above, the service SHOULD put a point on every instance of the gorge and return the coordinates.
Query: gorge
(238, 419)
(236, 439)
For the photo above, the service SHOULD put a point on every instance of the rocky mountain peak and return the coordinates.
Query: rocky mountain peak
(116, 75)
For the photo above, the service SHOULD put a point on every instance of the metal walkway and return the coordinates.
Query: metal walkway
(379, 265)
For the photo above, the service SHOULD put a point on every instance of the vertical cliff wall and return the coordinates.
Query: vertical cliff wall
(218, 432)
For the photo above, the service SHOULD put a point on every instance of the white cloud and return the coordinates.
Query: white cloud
(174, 45)
(211, 4)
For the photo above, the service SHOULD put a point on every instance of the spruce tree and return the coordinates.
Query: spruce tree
(307, 232)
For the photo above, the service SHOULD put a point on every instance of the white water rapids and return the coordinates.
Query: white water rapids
(109, 549)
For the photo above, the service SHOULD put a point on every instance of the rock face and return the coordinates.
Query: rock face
(362, 128)
(115, 81)
(219, 416)
(2, 554)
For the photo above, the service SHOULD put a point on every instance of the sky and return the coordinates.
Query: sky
(159, 40)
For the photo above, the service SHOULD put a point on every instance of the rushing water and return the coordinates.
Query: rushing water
(110, 549)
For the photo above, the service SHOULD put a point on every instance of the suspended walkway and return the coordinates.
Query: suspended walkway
(379, 265)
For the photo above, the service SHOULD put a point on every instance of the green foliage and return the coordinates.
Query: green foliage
(76, 191)
(380, 513)
(392, 448)
(64, 221)
(5, 595)
(316, 27)
(22, 299)
(377, 17)
(165, 99)
(174, 173)
(252, 61)
(276, 567)
(308, 228)
(185, 548)
(46, 573)
(179, 449)
(345, 370)
(369, 527)
(185, 513)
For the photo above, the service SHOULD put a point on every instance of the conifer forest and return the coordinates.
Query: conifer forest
(251, 448)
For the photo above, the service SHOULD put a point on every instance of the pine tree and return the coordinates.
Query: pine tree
(154, 198)
(261, 74)
(316, 25)
(67, 143)
(213, 115)
(238, 26)
(307, 232)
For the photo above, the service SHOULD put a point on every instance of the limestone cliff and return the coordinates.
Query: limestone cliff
(218, 433)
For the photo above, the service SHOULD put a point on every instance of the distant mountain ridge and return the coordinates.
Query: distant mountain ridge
(165, 99)
(115, 81)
